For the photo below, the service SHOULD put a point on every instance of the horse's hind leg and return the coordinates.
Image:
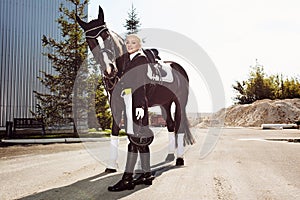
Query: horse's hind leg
(166, 112)
(114, 143)
(180, 129)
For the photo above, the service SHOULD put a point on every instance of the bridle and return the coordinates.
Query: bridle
(102, 28)
(109, 80)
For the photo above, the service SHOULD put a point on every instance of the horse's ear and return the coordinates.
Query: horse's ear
(100, 14)
(81, 23)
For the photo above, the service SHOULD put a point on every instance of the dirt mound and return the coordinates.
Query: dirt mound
(260, 112)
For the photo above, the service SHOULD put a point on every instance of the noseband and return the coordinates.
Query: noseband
(101, 29)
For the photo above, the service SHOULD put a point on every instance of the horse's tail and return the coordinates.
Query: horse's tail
(188, 137)
(184, 126)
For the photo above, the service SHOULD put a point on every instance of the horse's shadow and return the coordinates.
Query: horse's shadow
(95, 187)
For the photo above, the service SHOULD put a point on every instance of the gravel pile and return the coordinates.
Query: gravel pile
(260, 112)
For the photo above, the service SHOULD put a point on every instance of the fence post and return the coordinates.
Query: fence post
(298, 123)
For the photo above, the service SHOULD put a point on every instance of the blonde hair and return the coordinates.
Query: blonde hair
(135, 36)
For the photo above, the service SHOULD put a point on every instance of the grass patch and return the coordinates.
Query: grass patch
(106, 132)
(46, 136)
(92, 133)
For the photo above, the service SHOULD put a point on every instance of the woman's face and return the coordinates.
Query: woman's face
(132, 44)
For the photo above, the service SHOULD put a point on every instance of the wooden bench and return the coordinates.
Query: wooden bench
(28, 123)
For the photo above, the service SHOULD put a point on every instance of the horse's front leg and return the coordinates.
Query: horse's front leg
(114, 139)
(115, 129)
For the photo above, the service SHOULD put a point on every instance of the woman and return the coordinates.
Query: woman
(133, 79)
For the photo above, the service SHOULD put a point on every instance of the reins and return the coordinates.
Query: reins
(116, 80)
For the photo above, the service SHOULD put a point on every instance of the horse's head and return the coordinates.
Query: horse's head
(100, 43)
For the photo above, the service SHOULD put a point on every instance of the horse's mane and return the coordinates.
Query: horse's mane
(119, 43)
(120, 50)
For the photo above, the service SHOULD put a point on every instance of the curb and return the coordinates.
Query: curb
(56, 140)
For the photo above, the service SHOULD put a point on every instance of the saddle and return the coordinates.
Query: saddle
(158, 71)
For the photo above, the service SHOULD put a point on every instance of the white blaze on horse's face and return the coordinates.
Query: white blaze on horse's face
(107, 61)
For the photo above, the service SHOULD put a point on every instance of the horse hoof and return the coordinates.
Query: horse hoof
(109, 170)
(179, 162)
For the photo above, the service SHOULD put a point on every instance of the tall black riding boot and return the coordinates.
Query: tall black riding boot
(146, 177)
(127, 180)
(131, 158)
(126, 183)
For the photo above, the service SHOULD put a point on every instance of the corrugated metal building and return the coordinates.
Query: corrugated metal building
(22, 25)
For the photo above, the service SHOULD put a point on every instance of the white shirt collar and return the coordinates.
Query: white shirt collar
(131, 56)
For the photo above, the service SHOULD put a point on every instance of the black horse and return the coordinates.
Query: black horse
(107, 48)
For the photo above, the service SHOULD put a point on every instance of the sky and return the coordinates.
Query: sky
(233, 33)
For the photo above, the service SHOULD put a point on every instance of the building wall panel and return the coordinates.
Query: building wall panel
(22, 25)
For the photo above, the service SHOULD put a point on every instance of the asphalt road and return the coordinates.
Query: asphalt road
(243, 165)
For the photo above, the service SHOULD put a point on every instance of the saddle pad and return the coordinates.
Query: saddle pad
(167, 68)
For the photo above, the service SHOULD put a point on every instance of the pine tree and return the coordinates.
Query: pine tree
(99, 114)
(66, 57)
(133, 22)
